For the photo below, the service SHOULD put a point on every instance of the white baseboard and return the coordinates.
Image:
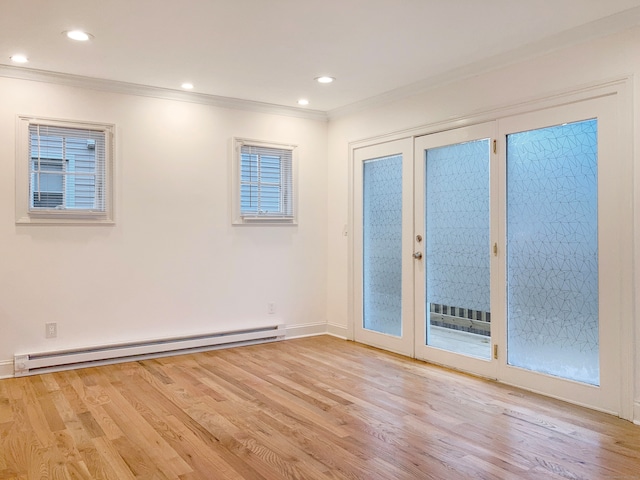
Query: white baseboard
(305, 330)
(339, 331)
(636, 413)
(6, 369)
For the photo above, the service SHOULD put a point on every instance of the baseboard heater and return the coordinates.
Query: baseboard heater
(45, 362)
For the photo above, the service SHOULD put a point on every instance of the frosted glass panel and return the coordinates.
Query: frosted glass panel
(552, 251)
(457, 248)
(382, 245)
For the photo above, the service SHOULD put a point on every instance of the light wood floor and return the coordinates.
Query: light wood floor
(300, 409)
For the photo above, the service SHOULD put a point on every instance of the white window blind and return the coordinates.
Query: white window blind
(266, 182)
(67, 169)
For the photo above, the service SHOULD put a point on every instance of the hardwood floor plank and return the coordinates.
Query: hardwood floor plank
(106, 423)
(312, 408)
(202, 459)
(35, 417)
(90, 425)
(137, 431)
(278, 449)
(175, 406)
(339, 462)
(138, 459)
(111, 459)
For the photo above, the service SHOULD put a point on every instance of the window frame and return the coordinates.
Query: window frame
(238, 218)
(25, 212)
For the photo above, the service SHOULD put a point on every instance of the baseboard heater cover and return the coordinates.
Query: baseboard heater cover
(45, 362)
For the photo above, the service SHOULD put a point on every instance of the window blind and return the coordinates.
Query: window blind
(67, 168)
(266, 182)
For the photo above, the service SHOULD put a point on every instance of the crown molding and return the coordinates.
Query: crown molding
(606, 26)
(125, 88)
(610, 25)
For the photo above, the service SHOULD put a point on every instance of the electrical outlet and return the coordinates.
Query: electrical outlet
(51, 330)
(271, 308)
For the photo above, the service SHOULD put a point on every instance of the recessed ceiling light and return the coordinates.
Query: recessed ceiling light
(187, 86)
(324, 79)
(19, 58)
(303, 101)
(78, 35)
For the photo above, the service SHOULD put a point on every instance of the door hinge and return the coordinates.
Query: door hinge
(495, 352)
(495, 249)
(495, 146)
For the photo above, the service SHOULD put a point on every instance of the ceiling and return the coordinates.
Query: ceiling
(270, 51)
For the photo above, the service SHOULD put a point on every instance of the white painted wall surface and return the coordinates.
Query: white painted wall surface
(172, 264)
(560, 71)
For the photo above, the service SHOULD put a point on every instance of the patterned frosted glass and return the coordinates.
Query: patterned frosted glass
(458, 244)
(552, 251)
(382, 245)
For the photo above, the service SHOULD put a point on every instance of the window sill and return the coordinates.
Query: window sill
(64, 219)
(265, 221)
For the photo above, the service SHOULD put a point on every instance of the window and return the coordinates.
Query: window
(64, 172)
(264, 184)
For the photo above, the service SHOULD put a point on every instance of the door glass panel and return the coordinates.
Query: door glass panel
(458, 248)
(552, 251)
(382, 245)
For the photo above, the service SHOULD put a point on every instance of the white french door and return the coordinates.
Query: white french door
(493, 249)
(383, 177)
(455, 192)
(562, 204)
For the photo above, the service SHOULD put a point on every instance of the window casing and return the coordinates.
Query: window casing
(64, 172)
(264, 183)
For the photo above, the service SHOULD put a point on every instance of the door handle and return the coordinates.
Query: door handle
(417, 255)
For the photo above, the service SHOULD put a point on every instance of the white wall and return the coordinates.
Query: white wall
(594, 62)
(172, 264)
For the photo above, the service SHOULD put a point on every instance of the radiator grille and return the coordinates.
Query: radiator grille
(44, 362)
(459, 318)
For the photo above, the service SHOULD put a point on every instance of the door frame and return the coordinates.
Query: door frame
(403, 344)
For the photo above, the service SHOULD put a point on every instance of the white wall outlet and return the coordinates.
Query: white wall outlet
(271, 308)
(51, 330)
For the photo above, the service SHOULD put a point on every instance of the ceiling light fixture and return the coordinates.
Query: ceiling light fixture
(78, 35)
(324, 79)
(17, 58)
(303, 101)
(187, 86)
